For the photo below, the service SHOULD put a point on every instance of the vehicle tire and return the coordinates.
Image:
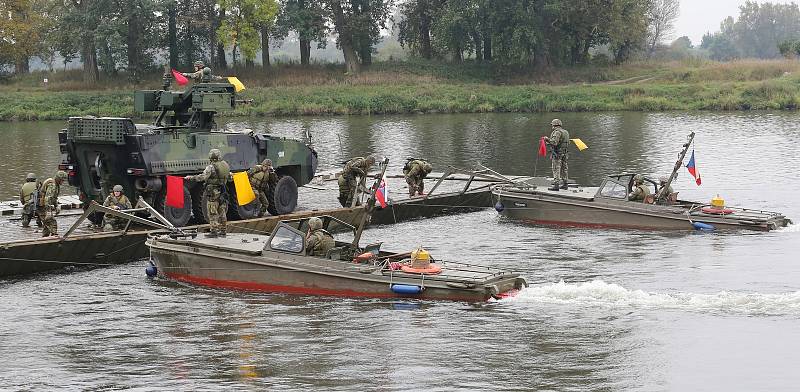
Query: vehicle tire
(199, 206)
(178, 216)
(247, 211)
(283, 198)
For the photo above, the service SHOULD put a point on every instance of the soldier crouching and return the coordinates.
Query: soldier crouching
(47, 207)
(118, 201)
(348, 183)
(415, 172)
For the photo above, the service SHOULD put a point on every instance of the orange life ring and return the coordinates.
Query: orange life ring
(432, 269)
(717, 211)
(363, 258)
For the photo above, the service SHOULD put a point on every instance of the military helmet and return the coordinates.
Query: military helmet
(315, 223)
(266, 162)
(662, 179)
(61, 175)
(206, 71)
(31, 177)
(199, 63)
(117, 188)
(555, 122)
(371, 159)
(638, 179)
(215, 154)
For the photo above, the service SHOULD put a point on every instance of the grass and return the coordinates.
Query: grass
(431, 87)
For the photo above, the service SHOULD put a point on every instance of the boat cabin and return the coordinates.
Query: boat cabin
(619, 186)
(289, 236)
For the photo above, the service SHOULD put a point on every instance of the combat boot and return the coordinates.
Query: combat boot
(564, 185)
(553, 188)
(211, 234)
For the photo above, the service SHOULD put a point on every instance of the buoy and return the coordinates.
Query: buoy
(151, 270)
(718, 202)
(703, 226)
(499, 207)
(406, 289)
(420, 258)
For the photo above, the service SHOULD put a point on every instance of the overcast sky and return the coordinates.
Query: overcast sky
(702, 16)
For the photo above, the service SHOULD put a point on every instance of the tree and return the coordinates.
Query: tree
(719, 47)
(661, 15)
(307, 19)
(241, 27)
(20, 26)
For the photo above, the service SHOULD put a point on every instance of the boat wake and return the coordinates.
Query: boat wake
(598, 293)
(792, 228)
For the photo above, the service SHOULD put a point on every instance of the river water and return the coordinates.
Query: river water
(606, 309)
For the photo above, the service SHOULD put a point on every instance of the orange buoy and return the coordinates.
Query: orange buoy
(717, 211)
(363, 258)
(431, 269)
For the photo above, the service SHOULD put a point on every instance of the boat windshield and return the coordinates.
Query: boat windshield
(287, 240)
(614, 189)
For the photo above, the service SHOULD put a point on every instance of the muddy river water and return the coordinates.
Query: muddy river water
(606, 309)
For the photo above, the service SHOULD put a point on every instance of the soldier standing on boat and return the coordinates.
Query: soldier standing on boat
(216, 176)
(356, 167)
(27, 200)
(559, 143)
(118, 201)
(318, 241)
(640, 190)
(47, 204)
(415, 172)
(262, 177)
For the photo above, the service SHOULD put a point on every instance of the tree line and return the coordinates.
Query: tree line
(135, 35)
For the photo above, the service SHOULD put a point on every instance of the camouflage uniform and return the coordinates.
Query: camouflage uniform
(640, 191)
(415, 172)
(262, 177)
(356, 167)
(664, 193)
(48, 206)
(216, 176)
(559, 154)
(318, 241)
(111, 222)
(26, 199)
(201, 73)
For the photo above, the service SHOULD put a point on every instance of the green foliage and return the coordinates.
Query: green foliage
(761, 31)
(243, 19)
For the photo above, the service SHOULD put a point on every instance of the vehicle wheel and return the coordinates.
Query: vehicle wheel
(199, 206)
(283, 199)
(178, 216)
(247, 211)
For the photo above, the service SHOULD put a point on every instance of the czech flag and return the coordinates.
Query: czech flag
(382, 194)
(542, 147)
(180, 79)
(693, 169)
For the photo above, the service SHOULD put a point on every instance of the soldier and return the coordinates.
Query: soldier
(262, 177)
(318, 241)
(216, 176)
(26, 199)
(640, 190)
(356, 167)
(118, 201)
(201, 73)
(415, 172)
(47, 206)
(665, 193)
(558, 141)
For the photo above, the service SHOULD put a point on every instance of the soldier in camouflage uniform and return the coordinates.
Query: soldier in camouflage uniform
(318, 241)
(216, 176)
(26, 200)
(348, 183)
(118, 201)
(559, 143)
(262, 177)
(201, 73)
(48, 207)
(640, 190)
(664, 194)
(415, 172)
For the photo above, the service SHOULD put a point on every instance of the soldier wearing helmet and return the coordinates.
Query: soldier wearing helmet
(665, 195)
(26, 193)
(558, 141)
(348, 181)
(118, 201)
(415, 171)
(262, 177)
(318, 241)
(640, 191)
(201, 73)
(47, 206)
(216, 176)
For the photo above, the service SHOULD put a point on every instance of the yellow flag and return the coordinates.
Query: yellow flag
(580, 144)
(237, 85)
(244, 191)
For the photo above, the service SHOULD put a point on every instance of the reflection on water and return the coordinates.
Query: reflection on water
(606, 310)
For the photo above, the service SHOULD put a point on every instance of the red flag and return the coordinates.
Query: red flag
(180, 79)
(542, 147)
(382, 194)
(174, 192)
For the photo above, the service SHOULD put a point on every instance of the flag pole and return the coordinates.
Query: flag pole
(660, 195)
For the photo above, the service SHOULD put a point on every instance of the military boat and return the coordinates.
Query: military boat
(609, 206)
(278, 262)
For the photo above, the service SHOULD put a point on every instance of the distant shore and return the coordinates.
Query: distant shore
(395, 89)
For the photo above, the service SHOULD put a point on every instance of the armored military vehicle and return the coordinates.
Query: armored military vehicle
(99, 152)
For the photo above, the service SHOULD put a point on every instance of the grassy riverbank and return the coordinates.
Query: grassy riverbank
(418, 87)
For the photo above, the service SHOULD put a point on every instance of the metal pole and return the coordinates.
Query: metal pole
(370, 204)
(677, 167)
